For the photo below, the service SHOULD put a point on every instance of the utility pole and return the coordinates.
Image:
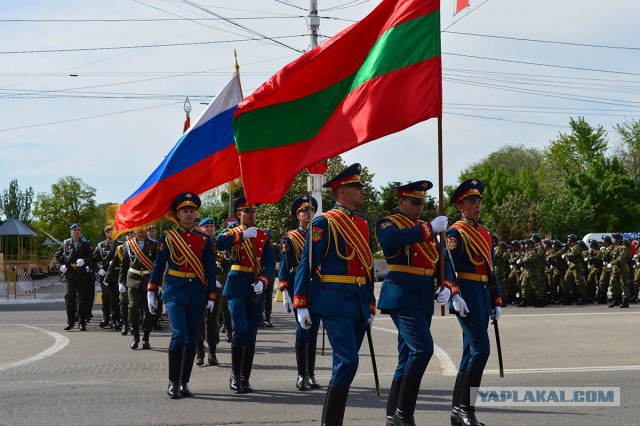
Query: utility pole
(315, 181)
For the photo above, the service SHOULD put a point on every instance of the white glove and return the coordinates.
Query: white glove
(551, 268)
(258, 287)
(460, 305)
(63, 269)
(250, 233)
(588, 266)
(370, 322)
(439, 224)
(609, 265)
(304, 318)
(159, 291)
(512, 266)
(563, 256)
(218, 284)
(88, 269)
(495, 316)
(443, 296)
(102, 272)
(122, 288)
(286, 301)
(210, 305)
(151, 300)
(80, 262)
(518, 262)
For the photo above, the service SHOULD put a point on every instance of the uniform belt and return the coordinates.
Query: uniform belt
(473, 277)
(241, 268)
(135, 271)
(74, 265)
(294, 269)
(344, 279)
(412, 270)
(182, 274)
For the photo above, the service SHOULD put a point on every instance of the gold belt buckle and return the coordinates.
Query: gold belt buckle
(360, 280)
(484, 278)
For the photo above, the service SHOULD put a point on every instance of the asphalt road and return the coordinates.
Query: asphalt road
(49, 376)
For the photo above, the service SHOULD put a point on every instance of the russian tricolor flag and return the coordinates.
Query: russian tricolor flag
(204, 157)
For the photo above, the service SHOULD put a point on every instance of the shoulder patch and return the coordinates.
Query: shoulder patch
(285, 247)
(316, 234)
(452, 242)
(385, 224)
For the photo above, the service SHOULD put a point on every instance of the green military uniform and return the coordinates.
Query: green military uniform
(557, 267)
(574, 277)
(512, 286)
(532, 288)
(605, 276)
(501, 267)
(636, 277)
(103, 255)
(594, 265)
(620, 285)
(74, 260)
(113, 278)
(135, 270)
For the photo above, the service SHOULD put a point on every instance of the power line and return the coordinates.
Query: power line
(509, 121)
(543, 41)
(136, 20)
(145, 46)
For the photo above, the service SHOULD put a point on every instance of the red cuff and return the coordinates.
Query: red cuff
(212, 295)
(452, 286)
(497, 301)
(283, 285)
(372, 308)
(153, 287)
(264, 280)
(300, 302)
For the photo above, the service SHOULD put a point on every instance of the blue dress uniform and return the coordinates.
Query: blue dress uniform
(292, 245)
(189, 257)
(340, 245)
(471, 248)
(252, 260)
(412, 252)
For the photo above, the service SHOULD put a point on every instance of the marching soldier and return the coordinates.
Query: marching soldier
(605, 278)
(620, 286)
(188, 256)
(292, 244)
(412, 252)
(501, 254)
(139, 253)
(209, 328)
(340, 244)
(636, 277)
(252, 265)
(112, 278)
(532, 288)
(574, 278)
(558, 268)
(74, 257)
(476, 296)
(102, 257)
(512, 286)
(594, 265)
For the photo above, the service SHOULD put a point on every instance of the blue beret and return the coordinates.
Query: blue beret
(207, 221)
(74, 226)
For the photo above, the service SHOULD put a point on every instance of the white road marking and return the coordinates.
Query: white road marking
(448, 367)
(60, 342)
(568, 369)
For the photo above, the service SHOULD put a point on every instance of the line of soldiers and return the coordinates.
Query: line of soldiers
(536, 272)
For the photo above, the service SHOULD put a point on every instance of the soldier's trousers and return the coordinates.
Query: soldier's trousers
(210, 326)
(512, 285)
(415, 343)
(245, 318)
(605, 281)
(309, 335)
(75, 293)
(531, 288)
(620, 285)
(592, 282)
(123, 304)
(110, 301)
(345, 336)
(636, 284)
(268, 298)
(574, 282)
(138, 306)
(555, 286)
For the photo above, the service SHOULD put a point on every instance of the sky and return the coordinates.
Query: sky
(74, 102)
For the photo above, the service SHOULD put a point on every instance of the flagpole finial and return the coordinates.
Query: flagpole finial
(235, 55)
(187, 106)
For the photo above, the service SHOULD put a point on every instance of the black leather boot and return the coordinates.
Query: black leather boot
(125, 328)
(614, 303)
(247, 364)
(392, 400)
(200, 353)
(83, 324)
(466, 412)
(212, 356)
(311, 366)
(235, 381)
(145, 340)
(301, 360)
(175, 364)
(334, 405)
(455, 400)
(185, 372)
(407, 397)
(71, 322)
(625, 303)
(136, 338)
(106, 322)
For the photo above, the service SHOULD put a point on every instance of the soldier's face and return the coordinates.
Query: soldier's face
(186, 216)
(304, 216)
(141, 234)
(152, 233)
(209, 229)
(354, 195)
(76, 232)
(470, 207)
(411, 207)
(247, 216)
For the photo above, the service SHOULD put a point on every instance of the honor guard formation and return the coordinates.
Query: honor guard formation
(212, 283)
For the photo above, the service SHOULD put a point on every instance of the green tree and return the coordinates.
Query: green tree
(628, 150)
(17, 203)
(70, 201)
(573, 152)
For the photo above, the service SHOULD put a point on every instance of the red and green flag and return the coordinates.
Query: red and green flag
(377, 77)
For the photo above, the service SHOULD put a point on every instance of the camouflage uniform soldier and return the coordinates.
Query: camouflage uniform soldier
(636, 277)
(531, 286)
(605, 277)
(500, 251)
(620, 285)
(574, 278)
(512, 283)
(558, 268)
(542, 276)
(594, 265)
